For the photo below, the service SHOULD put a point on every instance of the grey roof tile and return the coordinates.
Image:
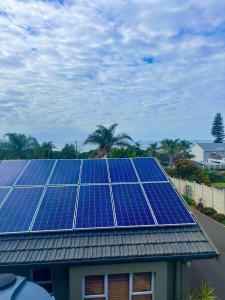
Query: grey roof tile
(80, 247)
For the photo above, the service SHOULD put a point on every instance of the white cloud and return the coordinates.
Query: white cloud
(66, 68)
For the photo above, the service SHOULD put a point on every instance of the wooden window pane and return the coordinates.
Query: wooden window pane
(118, 287)
(142, 297)
(94, 285)
(142, 282)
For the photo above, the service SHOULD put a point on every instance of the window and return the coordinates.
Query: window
(134, 286)
(43, 277)
(95, 287)
(118, 287)
(141, 286)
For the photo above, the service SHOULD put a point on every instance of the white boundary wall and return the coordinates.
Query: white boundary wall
(210, 197)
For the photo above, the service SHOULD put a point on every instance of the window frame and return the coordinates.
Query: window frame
(131, 293)
(143, 293)
(105, 295)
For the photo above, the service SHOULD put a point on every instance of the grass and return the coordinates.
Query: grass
(218, 184)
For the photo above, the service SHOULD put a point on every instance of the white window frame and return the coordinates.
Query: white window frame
(131, 293)
(105, 295)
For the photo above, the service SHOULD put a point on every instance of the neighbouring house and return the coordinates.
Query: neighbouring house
(203, 152)
(74, 257)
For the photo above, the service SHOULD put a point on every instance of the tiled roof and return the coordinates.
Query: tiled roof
(212, 146)
(188, 242)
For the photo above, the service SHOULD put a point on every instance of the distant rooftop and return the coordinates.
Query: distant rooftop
(212, 146)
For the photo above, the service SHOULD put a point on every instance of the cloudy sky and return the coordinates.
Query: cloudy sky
(157, 67)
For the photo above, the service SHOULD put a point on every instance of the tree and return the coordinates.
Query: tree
(217, 129)
(19, 145)
(47, 149)
(187, 169)
(153, 149)
(171, 148)
(106, 139)
(174, 150)
(69, 151)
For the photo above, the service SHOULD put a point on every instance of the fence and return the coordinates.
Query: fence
(210, 197)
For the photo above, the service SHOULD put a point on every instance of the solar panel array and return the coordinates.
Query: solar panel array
(50, 195)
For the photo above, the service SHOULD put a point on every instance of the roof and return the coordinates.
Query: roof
(215, 147)
(85, 247)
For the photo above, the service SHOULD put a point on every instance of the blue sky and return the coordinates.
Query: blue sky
(156, 67)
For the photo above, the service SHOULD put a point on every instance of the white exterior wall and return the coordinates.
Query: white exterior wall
(198, 152)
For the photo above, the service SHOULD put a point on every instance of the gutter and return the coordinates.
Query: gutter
(185, 258)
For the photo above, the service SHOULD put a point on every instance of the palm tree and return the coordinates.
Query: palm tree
(47, 149)
(19, 145)
(153, 149)
(106, 139)
(171, 148)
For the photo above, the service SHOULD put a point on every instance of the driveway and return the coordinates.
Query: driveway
(212, 271)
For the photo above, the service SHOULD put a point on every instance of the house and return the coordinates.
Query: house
(147, 260)
(203, 152)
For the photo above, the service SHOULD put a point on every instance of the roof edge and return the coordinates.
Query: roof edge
(185, 257)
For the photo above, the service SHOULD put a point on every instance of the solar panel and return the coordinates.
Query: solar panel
(94, 171)
(121, 170)
(167, 205)
(94, 207)
(10, 170)
(3, 193)
(66, 171)
(148, 169)
(18, 210)
(84, 198)
(57, 209)
(37, 172)
(131, 206)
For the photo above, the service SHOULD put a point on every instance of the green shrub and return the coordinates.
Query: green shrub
(209, 211)
(187, 169)
(219, 217)
(200, 205)
(189, 201)
(216, 176)
(206, 292)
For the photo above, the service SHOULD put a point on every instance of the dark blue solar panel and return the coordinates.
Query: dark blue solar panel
(131, 206)
(94, 207)
(66, 172)
(57, 209)
(37, 172)
(3, 193)
(94, 171)
(149, 170)
(17, 212)
(166, 204)
(10, 170)
(121, 170)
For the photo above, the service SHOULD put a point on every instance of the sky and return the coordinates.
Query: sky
(155, 67)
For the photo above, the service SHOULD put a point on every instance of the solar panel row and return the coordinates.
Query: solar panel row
(60, 172)
(55, 208)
